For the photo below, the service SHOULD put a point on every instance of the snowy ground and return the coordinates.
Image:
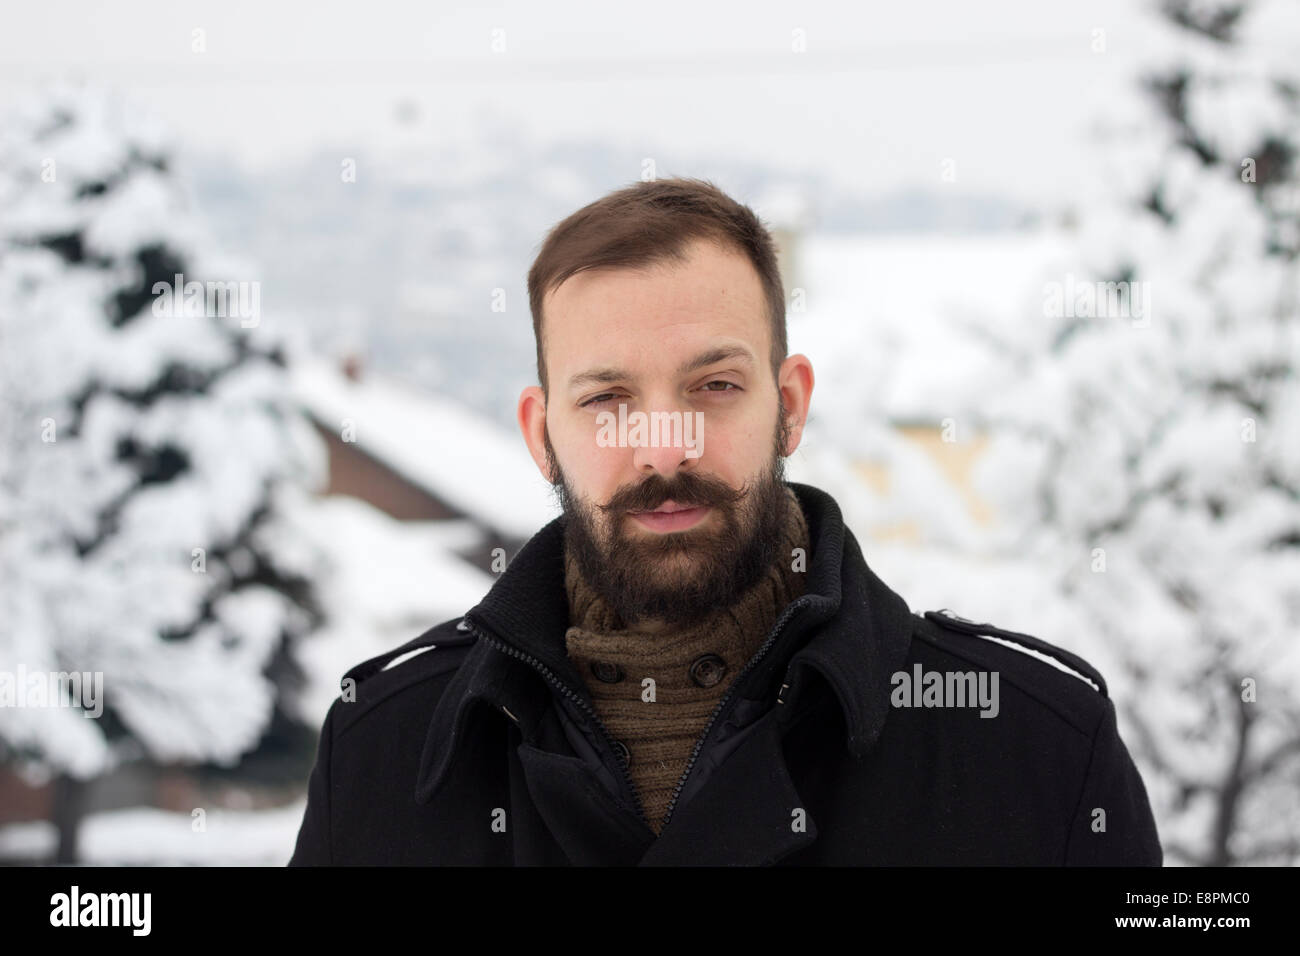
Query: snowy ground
(145, 837)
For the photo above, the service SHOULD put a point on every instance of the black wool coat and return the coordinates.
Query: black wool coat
(477, 743)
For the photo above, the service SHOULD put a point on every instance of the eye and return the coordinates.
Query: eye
(604, 397)
(720, 381)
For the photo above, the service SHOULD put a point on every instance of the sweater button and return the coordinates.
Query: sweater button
(708, 670)
(607, 671)
(621, 749)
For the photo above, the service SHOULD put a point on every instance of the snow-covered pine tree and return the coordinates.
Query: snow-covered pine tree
(147, 451)
(1150, 451)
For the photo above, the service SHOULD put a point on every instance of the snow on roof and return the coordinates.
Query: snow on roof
(388, 581)
(379, 581)
(884, 307)
(391, 571)
(467, 461)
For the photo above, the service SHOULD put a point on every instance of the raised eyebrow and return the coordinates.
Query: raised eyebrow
(603, 376)
(720, 354)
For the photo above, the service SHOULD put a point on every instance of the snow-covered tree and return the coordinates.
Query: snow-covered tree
(1151, 443)
(147, 451)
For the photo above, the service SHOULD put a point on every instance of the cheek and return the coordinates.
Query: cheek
(736, 452)
(593, 469)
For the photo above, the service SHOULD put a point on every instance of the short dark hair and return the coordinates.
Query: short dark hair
(652, 222)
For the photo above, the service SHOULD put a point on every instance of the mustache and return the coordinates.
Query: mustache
(686, 489)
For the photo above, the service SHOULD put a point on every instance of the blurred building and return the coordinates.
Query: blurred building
(418, 456)
(906, 333)
(787, 211)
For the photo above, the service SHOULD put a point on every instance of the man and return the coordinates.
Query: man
(694, 664)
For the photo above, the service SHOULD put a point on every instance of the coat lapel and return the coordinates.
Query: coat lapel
(586, 821)
(583, 817)
(859, 648)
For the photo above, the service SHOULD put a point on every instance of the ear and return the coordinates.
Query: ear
(796, 385)
(531, 414)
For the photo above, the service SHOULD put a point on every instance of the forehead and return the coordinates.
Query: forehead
(620, 314)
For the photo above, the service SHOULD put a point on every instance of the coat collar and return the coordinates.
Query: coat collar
(861, 631)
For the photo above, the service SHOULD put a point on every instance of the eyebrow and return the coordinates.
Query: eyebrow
(605, 375)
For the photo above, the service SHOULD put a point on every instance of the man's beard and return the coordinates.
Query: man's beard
(678, 577)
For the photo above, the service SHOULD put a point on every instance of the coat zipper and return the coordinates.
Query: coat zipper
(568, 692)
(794, 606)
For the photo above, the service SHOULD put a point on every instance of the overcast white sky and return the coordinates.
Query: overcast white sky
(884, 93)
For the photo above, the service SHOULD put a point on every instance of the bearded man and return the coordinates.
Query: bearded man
(693, 663)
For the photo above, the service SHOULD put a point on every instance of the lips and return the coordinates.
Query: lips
(671, 516)
(667, 508)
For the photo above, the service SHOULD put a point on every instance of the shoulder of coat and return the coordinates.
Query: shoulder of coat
(448, 635)
(1026, 644)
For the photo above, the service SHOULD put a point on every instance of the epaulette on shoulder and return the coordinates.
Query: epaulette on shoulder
(446, 634)
(1025, 643)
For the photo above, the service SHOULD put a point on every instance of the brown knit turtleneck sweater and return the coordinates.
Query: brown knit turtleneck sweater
(660, 735)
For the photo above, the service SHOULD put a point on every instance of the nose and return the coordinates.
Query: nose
(671, 442)
(666, 461)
